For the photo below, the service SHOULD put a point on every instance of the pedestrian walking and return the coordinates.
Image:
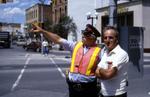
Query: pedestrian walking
(45, 47)
(112, 69)
(81, 78)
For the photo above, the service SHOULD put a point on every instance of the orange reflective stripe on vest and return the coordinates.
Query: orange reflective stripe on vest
(84, 63)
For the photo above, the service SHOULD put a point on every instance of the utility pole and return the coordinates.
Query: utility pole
(113, 13)
(89, 16)
(41, 22)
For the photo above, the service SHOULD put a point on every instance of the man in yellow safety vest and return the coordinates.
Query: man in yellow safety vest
(81, 78)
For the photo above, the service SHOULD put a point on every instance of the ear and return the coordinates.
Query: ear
(117, 41)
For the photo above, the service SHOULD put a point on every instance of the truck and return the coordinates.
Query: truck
(5, 39)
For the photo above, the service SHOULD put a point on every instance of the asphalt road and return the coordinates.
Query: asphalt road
(30, 74)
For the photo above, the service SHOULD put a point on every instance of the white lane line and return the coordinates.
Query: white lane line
(148, 93)
(64, 59)
(58, 68)
(26, 55)
(20, 75)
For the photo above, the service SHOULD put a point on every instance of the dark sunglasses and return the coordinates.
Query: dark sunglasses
(109, 37)
(87, 33)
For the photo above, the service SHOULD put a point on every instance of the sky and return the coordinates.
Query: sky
(14, 12)
(77, 9)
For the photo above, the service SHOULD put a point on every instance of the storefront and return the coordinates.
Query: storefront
(132, 14)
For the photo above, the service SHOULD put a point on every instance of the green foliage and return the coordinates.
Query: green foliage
(47, 25)
(65, 26)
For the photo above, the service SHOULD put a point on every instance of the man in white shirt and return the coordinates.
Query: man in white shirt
(45, 47)
(112, 69)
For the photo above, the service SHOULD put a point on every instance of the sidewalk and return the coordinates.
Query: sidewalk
(140, 87)
(147, 54)
(146, 59)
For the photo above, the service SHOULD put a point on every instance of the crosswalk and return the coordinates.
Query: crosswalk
(146, 59)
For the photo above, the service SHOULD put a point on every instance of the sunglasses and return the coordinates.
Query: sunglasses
(109, 37)
(88, 34)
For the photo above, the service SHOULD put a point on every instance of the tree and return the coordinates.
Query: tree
(47, 25)
(65, 26)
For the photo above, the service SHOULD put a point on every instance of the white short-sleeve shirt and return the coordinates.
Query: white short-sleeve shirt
(116, 85)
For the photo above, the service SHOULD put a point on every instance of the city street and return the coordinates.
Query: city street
(30, 74)
(24, 34)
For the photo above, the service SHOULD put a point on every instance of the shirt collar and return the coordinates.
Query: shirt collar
(88, 47)
(114, 50)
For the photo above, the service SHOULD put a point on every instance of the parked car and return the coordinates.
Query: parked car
(35, 46)
(21, 42)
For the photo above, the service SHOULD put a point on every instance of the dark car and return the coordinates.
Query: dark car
(35, 46)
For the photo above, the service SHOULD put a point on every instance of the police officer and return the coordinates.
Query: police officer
(81, 77)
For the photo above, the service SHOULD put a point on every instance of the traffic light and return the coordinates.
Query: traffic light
(2, 1)
(6, 1)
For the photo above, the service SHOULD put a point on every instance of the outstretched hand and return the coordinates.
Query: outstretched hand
(36, 29)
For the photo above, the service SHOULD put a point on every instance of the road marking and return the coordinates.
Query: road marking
(58, 68)
(147, 66)
(148, 93)
(26, 55)
(20, 75)
(64, 59)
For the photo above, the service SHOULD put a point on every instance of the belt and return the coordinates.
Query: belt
(82, 86)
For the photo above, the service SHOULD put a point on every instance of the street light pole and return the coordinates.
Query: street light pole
(42, 21)
(113, 13)
(92, 17)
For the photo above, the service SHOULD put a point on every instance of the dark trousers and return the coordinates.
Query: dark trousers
(122, 95)
(83, 89)
(45, 50)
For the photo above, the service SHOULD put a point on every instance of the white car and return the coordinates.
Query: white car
(55, 46)
(21, 42)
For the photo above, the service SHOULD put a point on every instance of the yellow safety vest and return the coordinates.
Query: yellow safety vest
(85, 64)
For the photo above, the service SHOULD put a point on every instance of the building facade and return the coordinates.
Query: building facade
(38, 13)
(130, 13)
(51, 13)
(59, 10)
(13, 28)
